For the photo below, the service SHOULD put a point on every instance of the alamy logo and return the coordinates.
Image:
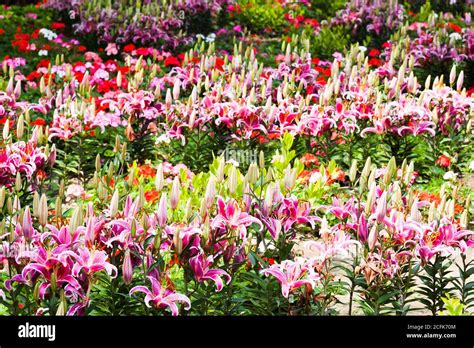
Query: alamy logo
(37, 331)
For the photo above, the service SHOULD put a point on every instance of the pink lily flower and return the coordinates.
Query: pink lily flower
(201, 267)
(291, 212)
(230, 216)
(161, 297)
(92, 261)
(292, 274)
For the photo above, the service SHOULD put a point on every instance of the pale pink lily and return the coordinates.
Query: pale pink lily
(161, 297)
(292, 274)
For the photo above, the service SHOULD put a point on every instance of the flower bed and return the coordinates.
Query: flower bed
(164, 166)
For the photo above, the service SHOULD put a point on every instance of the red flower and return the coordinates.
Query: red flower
(58, 25)
(38, 122)
(43, 63)
(374, 52)
(146, 171)
(21, 45)
(172, 61)
(219, 64)
(152, 196)
(375, 62)
(309, 159)
(443, 161)
(33, 76)
(312, 22)
(2, 31)
(454, 27)
(142, 51)
(129, 48)
(82, 48)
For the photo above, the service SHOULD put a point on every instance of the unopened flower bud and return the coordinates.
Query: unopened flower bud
(261, 160)
(159, 179)
(20, 127)
(2, 196)
(353, 171)
(127, 268)
(460, 81)
(220, 170)
(253, 173)
(289, 179)
(175, 193)
(58, 207)
(188, 210)
(452, 75)
(162, 213)
(43, 210)
(27, 225)
(178, 242)
(76, 219)
(18, 183)
(372, 240)
(232, 180)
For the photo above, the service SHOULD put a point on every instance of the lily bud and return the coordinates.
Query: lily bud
(18, 183)
(2, 196)
(232, 180)
(289, 179)
(176, 89)
(371, 178)
(372, 240)
(17, 91)
(61, 189)
(58, 207)
(460, 81)
(463, 220)
(452, 75)
(253, 173)
(76, 220)
(175, 192)
(159, 180)
(178, 242)
(6, 130)
(381, 210)
(127, 268)
(415, 214)
(409, 174)
(162, 213)
(62, 305)
(261, 160)
(43, 211)
(114, 204)
(370, 199)
(210, 191)
(27, 225)
(20, 127)
(188, 210)
(353, 171)
(220, 170)
(97, 163)
(365, 174)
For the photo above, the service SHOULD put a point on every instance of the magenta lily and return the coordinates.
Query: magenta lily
(202, 272)
(92, 261)
(230, 216)
(161, 297)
